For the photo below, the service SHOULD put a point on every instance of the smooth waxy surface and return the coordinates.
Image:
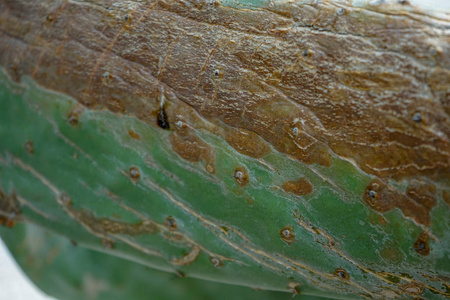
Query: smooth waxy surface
(201, 140)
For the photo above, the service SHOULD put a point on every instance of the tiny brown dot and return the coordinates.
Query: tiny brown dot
(133, 134)
(134, 172)
(171, 223)
(29, 147)
(342, 274)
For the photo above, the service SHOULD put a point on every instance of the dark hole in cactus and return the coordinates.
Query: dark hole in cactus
(162, 119)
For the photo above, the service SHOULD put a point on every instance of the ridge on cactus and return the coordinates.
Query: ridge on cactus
(297, 147)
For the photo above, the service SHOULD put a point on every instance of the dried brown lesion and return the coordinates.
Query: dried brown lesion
(416, 203)
(9, 209)
(326, 79)
(298, 187)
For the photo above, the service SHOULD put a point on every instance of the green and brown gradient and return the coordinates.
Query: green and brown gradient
(299, 146)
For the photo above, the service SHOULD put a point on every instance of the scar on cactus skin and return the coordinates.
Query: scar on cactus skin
(170, 223)
(135, 174)
(421, 245)
(293, 287)
(241, 176)
(342, 274)
(9, 209)
(299, 187)
(286, 235)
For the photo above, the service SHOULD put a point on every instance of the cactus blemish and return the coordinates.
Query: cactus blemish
(135, 174)
(287, 235)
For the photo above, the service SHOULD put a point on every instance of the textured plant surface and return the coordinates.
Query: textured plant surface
(290, 146)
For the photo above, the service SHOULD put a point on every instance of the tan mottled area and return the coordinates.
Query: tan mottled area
(244, 74)
(298, 187)
(416, 203)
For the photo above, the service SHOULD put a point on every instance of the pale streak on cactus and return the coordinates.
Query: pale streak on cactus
(241, 223)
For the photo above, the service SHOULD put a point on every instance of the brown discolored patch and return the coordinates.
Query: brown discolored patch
(191, 148)
(413, 288)
(299, 187)
(293, 287)
(446, 197)
(345, 105)
(417, 204)
(134, 173)
(29, 147)
(241, 176)
(188, 258)
(134, 134)
(422, 194)
(421, 244)
(247, 143)
(104, 226)
(74, 114)
(170, 223)
(216, 262)
(9, 209)
(342, 274)
(287, 235)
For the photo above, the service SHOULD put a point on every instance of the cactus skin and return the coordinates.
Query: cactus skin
(70, 272)
(187, 197)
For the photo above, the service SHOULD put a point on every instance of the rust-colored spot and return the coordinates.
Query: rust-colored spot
(170, 223)
(299, 187)
(9, 209)
(241, 176)
(446, 197)
(74, 114)
(134, 134)
(29, 147)
(342, 274)
(421, 244)
(188, 258)
(216, 262)
(287, 235)
(247, 143)
(413, 288)
(416, 204)
(293, 287)
(134, 173)
(191, 148)
(162, 120)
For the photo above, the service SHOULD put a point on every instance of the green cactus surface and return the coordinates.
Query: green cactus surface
(342, 192)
